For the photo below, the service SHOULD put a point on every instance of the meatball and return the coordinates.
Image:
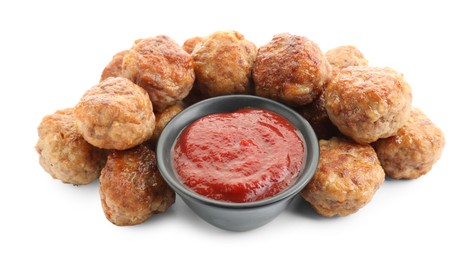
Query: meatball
(345, 56)
(114, 68)
(413, 151)
(368, 103)
(193, 97)
(162, 119)
(115, 114)
(223, 63)
(346, 179)
(64, 154)
(316, 114)
(131, 187)
(189, 44)
(161, 67)
(290, 69)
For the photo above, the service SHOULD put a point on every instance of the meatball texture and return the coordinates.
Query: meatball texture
(347, 177)
(412, 152)
(189, 44)
(64, 154)
(316, 114)
(115, 114)
(162, 119)
(223, 62)
(290, 69)
(368, 103)
(131, 187)
(345, 56)
(162, 68)
(114, 68)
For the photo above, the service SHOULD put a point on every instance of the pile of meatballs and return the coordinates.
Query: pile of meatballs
(362, 115)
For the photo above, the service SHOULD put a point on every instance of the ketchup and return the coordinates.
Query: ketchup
(243, 156)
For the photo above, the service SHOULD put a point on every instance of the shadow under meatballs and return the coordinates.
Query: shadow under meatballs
(90, 187)
(180, 212)
(391, 181)
(301, 208)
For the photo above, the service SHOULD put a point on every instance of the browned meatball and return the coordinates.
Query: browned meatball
(189, 44)
(368, 103)
(115, 114)
(64, 154)
(413, 151)
(290, 69)
(345, 56)
(162, 119)
(193, 97)
(223, 62)
(347, 177)
(114, 68)
(316, 114)
(131, 187)
(161, 67)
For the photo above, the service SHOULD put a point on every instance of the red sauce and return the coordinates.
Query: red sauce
(243, 156)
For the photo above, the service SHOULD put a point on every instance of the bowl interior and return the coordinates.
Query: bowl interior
(228, 104)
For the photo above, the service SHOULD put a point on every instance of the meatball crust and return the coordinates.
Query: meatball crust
(115, 114)
(347, 177)
(345, 56)
(161, 67)
(114, 68)
(162, 119)
(190, 44)
(413, 151)
(316, 114)
(131, 187)
(64, 154)
(290, 69)
(223, 62)
(368, 103)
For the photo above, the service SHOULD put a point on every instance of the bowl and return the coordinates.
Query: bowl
(231, 215)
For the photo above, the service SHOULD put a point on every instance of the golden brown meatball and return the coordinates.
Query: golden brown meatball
(368, 103)
(131, 187)
(345, 56)
(290, 69)
(347, 177)
(162, 119)
(161, 67)
(115, 114)
(189, 44)
(64, 154)
(413, 151)
(316, 114)
(114, 68)
(223, 62)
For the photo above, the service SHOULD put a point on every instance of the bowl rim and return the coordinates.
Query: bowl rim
(307, 172)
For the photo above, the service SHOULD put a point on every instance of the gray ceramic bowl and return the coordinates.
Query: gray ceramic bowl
(230, 215)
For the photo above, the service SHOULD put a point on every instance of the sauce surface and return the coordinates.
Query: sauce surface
(242, 156)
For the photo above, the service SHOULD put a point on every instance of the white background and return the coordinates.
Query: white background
(51, 52)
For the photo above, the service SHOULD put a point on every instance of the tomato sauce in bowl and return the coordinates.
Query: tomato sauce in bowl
(243, 156)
